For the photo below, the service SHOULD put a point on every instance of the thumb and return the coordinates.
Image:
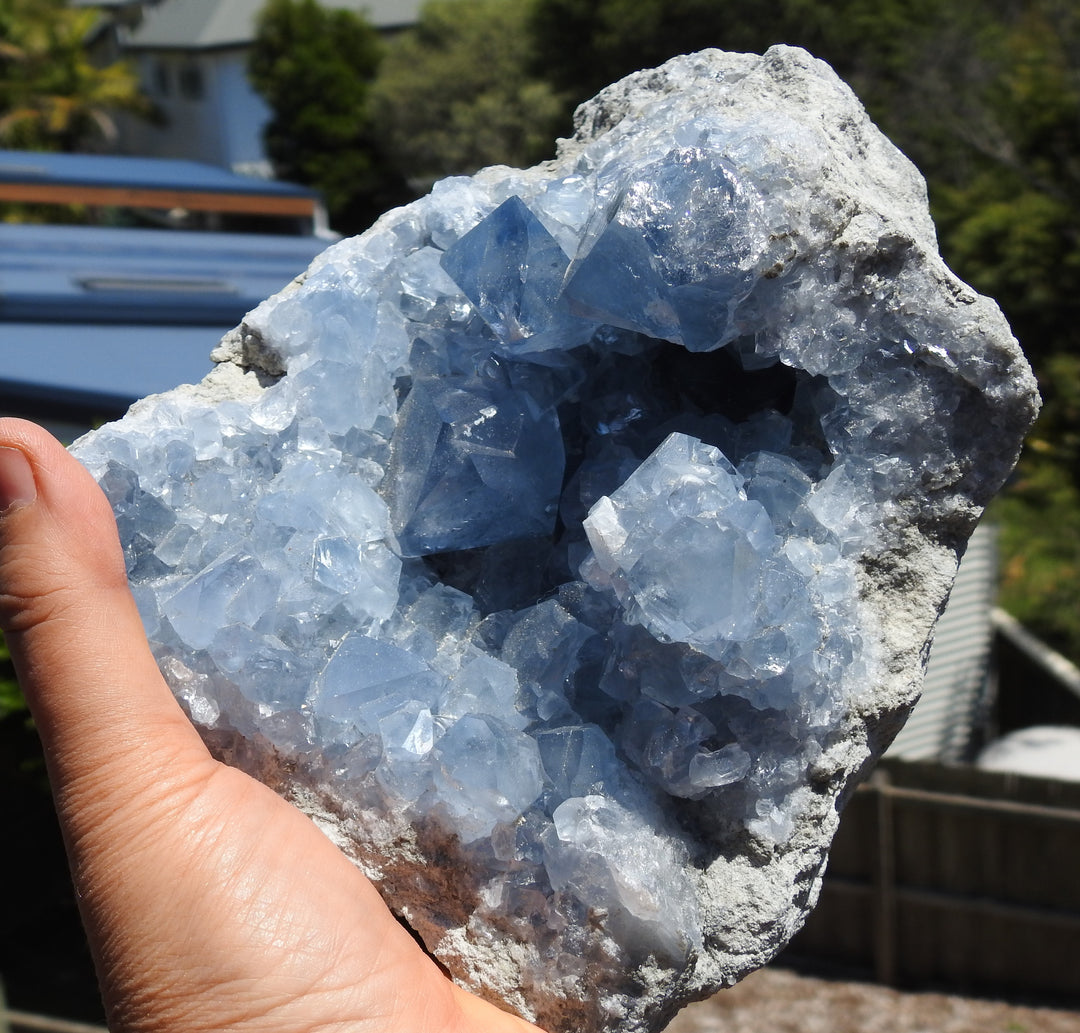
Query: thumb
(74, 632)
(210, 902)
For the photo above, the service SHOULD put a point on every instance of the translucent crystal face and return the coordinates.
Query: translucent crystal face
(548, 534)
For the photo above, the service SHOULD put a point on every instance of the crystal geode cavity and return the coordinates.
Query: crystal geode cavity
(570, 541)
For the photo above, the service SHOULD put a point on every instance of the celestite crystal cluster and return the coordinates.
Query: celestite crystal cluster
(539, 536)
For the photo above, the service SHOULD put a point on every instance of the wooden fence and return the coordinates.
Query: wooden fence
(952, 876)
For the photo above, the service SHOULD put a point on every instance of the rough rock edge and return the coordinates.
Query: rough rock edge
(755, 900)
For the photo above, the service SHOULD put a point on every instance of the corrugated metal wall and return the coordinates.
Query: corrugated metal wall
(955, 692)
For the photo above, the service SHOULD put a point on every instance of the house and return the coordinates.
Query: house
(191, 56)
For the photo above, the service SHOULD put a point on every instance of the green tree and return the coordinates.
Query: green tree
(582, 45)
(314, 67)
(1039, 517)
(455, 93)
(1008, 212)
(1010, 216)
(52, 96)
(984, 95)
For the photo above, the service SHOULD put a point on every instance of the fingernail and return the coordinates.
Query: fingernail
(17, 484)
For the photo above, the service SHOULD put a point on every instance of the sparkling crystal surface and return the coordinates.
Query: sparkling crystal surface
(552, 535)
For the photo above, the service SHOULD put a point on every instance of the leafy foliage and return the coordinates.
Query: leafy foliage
(984, 95)
(52, 97)
(1009, 219)
(314, 67)
(11, 699)
(1039, 514)
(455, 93)
(621, 36)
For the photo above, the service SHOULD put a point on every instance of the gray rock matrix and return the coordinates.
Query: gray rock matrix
(601, 804)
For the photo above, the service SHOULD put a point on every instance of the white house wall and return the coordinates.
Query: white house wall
(243, 114)
(222, 124)
(187, 131)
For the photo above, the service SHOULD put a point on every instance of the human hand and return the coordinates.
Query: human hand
(210, 903)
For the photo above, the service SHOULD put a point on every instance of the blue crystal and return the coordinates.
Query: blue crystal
(472, 464)
(364, 680)
(546, 542)
(262, 667)
(676, 257)
(578, 759)
(512, 270)
(485, 773)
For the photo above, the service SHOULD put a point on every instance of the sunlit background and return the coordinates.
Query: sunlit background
(165, 164)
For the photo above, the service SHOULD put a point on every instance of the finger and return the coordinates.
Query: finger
(72, 626)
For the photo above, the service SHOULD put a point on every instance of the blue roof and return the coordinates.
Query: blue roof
(103, 316)
(103, 367)
(104, 170)
(102, 274)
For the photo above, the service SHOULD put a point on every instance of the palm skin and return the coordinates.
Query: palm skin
(210, 903)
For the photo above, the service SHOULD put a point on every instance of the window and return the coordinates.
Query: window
(191, 81)
(162, 79)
